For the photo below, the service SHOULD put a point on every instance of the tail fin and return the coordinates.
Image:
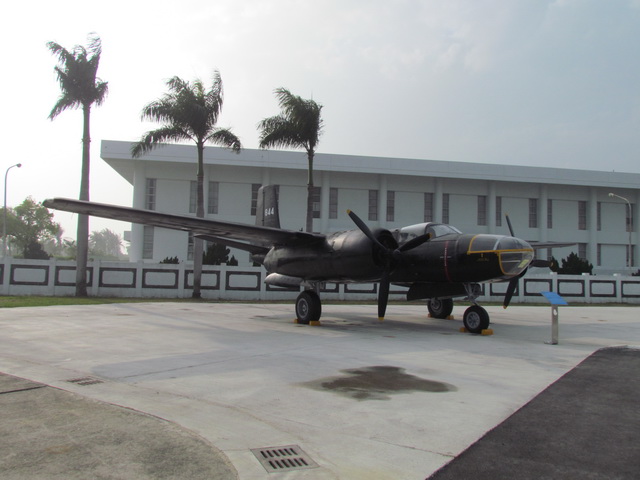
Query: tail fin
(267, 214)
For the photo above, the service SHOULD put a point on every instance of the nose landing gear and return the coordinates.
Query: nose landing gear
(475, 319)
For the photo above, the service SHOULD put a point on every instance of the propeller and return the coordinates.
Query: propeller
(513, 283)
(509, 224)
(391, 258)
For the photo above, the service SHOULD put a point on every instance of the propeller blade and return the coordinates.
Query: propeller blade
(509, 224)
(513, 284)
(365, 229)
(415, 242)
(540, 263)
(383, 295)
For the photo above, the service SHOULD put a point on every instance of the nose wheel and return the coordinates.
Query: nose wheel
(475, 319)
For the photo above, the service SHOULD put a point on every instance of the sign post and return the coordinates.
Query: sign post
(555, 300)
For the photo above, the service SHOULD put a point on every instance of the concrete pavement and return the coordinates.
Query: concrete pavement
(354, 398)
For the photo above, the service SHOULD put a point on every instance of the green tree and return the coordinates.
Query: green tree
(29, 225)
(572, 265)
(217, 254)
(299, 125)
(105, 243)
(80, 88)
(189, 112)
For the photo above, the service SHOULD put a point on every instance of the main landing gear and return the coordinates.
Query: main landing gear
(475, 318)
(308, 307)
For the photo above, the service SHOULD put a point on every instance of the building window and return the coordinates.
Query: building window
(193, 195)
(631, 253)
(391, 206)
(373, 205)
(599, 215)
(316, 194)
(582, 215)
(428, 207)
(582, 251)
(498, 211)
(445, 208)
(190, 245)
(147, 242)
(254, 197)
(482, 209)
(533, 213)
(549, 213)
(599, 255)
(150, 194)
(212, 200)
(333, 202)
(629, 216)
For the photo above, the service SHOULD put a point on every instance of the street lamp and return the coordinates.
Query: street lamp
(4, 224)
(629, 226)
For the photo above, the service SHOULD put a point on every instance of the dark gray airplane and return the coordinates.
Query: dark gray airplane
(435, 261)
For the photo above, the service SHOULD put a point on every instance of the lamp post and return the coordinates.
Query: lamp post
(4, 224)
(629, 226)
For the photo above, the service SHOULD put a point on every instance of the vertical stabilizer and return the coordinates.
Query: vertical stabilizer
(267, 214)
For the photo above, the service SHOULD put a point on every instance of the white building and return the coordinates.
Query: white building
(544, 204)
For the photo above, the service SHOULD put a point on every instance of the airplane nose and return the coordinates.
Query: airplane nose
(515, 255)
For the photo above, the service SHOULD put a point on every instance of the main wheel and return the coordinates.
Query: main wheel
(440, 307)
(475, 319)
(308, 307)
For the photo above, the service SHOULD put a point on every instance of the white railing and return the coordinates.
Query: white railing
(139, 280)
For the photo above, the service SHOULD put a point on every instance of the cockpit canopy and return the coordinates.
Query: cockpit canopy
(405, 234)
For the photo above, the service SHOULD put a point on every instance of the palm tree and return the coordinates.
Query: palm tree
(80, 88)
(188, 112)
(299, 125)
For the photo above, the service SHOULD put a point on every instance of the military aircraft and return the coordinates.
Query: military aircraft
(435, 261)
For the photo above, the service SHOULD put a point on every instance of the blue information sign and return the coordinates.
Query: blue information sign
(554, 298)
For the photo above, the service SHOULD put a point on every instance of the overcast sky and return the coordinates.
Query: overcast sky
(525, 82)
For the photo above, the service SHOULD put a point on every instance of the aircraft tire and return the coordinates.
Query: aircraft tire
(440, 307)
(475, 319)
(308, 307)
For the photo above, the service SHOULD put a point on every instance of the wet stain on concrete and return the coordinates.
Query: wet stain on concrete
(377, 383)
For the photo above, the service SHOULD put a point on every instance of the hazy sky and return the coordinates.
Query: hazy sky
(526, 82)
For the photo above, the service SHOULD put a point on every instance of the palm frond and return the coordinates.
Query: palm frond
(187, 112)
(76, 73)
(299, 125)
(278, 131)
(225, 138)
(153, 138)
(65, 102)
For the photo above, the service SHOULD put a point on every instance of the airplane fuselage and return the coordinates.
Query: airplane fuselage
(451, 258)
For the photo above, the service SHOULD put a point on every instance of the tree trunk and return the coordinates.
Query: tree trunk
(309, 225)
(197, 243)
(82, 236)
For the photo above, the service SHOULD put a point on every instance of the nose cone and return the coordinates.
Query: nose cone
(515, 255)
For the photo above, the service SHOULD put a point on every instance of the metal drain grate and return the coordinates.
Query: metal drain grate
(84, 381)
(278, 459)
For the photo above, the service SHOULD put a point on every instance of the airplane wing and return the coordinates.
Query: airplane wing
(539, 245)
(247, 247)
(257, 235)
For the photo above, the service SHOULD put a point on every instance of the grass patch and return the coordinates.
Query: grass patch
(37, 301)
